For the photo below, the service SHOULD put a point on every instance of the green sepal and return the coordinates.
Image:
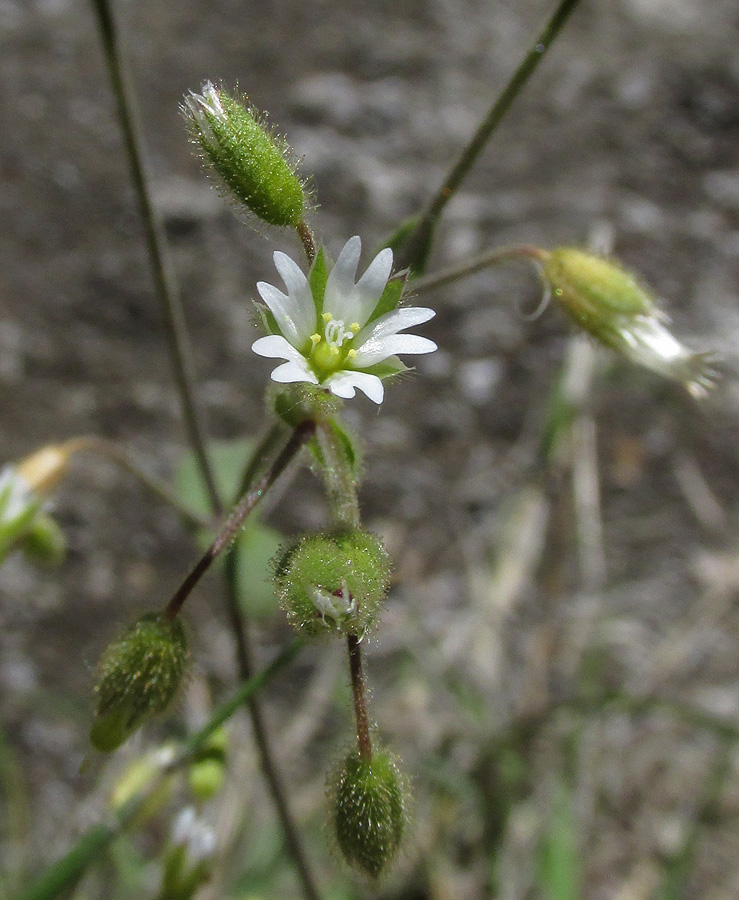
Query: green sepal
(387, 368)
(347, 443)
(390, 298)
(317, 278)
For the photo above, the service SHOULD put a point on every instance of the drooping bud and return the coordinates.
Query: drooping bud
(251, 161)
(369, 800)
(139, 675)
(609, 303)
(333, 582)
(19, 507)
(45, 468)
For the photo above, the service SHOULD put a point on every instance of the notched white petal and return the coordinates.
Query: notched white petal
(291, 372)
(343, 384)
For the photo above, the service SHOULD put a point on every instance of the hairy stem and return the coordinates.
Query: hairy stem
(246, 666)
(165, 282)
(340, 482)
(246, 505)
(416, 249)
(364, 741)
(476, 264)
(306, 236)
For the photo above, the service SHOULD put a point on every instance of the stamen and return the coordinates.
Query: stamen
(315, 338)
(327, 316)
(352, 353)
(355, 327)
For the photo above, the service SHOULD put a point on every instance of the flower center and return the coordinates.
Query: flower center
(331, 349)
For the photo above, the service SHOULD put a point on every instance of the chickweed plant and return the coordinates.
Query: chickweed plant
(337, 330)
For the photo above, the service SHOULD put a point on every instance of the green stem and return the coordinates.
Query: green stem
(340, 482)
(476, 264)
(228, 533)
(415, 251)
(63, 875)
(165, 282)
(110, 451)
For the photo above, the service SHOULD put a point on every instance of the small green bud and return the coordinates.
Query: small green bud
(608, 302)
(252, 162)
(138, 676)
(368, 797)
(208, 772)
(333, 582)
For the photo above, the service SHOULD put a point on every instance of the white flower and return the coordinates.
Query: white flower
(341, 340)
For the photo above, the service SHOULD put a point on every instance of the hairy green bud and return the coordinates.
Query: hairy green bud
(139, 675)
(609, 303)
(368, 798)
(251, 161)
(333, 582)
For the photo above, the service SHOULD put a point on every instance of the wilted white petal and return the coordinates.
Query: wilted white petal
(343, 384)
(376, 350)
(286, 311)
(394, 321)
(298, 289)
(290, 372)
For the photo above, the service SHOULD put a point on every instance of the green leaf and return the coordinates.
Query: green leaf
(228, 458)
(559, 871)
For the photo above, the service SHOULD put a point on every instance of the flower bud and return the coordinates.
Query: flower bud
(19, 507)
(368, 797)
(333, 582)
(139, 675)
(609, 303)
(251, 161)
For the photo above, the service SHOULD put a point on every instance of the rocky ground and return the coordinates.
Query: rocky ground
(626, 139)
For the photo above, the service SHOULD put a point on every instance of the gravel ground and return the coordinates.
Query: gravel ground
(627, 139)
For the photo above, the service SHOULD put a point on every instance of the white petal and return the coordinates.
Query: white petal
(371, 285)
(341, 298)
(343, 384)
(275, 346)
(285, 310)
(376, 351)
(299, 290)
(394, 321)
(290, 372)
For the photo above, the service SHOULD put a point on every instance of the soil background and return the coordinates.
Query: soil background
(627, 139)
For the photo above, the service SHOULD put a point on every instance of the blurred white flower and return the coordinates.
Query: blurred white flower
(343, 337)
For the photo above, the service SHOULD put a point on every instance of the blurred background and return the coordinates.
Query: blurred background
(557, 665)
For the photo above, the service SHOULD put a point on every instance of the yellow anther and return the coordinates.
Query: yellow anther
(334, 351)
(355, 327)
(326, 317)
(352, 353)
(316, 338)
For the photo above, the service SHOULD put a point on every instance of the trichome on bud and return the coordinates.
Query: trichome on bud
(252, 162)
(139, 675)
(368, 797)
